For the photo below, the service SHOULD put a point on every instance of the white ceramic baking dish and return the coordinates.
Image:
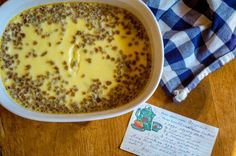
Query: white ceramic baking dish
(140, 10)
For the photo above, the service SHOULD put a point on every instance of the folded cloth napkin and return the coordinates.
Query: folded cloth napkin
(199, 37)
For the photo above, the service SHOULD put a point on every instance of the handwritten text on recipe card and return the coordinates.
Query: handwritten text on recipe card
(153, 131)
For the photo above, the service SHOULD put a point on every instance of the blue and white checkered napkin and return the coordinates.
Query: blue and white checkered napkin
(199, 37)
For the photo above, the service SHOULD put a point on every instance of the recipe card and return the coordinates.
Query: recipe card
(153, 131)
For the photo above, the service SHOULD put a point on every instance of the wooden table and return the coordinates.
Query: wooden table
(212, 102)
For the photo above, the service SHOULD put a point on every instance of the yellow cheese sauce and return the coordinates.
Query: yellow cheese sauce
(74, 57)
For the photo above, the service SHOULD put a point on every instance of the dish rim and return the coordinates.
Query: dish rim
(153, 82)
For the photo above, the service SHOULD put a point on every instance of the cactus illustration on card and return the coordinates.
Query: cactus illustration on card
(144, 120)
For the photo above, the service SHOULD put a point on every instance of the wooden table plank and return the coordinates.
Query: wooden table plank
(212, 102)
(223, 84)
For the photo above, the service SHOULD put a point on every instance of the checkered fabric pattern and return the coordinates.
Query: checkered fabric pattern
(199, 37)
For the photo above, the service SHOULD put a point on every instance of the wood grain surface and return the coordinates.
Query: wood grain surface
(212, 102)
